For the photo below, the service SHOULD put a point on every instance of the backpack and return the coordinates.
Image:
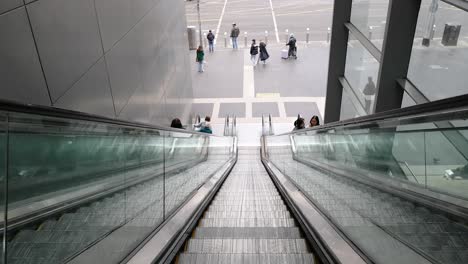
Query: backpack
(206, 129)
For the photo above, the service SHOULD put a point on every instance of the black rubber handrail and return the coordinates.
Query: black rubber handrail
(14, 107)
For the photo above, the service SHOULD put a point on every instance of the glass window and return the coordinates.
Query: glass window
(407, 101)
(370, 17)
(439, 70)
(348, 109)
(361, 72)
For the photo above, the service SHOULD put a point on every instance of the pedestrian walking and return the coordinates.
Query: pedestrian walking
(200, 58)
(292, 52)
(253, 53)
(263, 52)
(369, 92)
(234, 34)
(210, 38)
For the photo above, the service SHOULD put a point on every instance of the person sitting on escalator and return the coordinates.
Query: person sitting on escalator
(299, 123)
(205, 126)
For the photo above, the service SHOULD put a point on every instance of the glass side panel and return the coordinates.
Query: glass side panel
(370, 16)
(370, 217)
(361, 72)
(441, 64)
(407, 101)
(348, 109)
(3, 144)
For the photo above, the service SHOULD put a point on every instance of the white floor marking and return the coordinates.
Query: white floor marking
(215, 110)
(274, 21)
(249, 82)
(220, 20)
(282, 110)
(248, 110)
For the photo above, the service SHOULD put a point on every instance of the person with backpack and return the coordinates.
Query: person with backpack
(292, 47)
(200, 58)
(263, 52)
(210, 38)
(234, 34)
(253, 53)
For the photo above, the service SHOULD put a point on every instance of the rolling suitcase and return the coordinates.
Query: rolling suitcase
(284, 54)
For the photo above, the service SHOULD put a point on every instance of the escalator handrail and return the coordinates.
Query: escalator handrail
(444, 109)
(14, 107)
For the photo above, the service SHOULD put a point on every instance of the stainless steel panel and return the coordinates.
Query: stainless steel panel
(6, 5)
(68, 40)
(21, 77)
(117, 17)
(124, 71)
(91, 93)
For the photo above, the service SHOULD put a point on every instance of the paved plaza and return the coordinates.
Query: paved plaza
(284, 88)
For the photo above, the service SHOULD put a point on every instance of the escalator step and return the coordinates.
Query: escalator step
(190, 258)
(247, 232)
(246, 222)
(251, 246)
(248, 214)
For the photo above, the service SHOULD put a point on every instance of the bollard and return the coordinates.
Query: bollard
(433, 32)
(328, 35)
(245, 39)
(266, 36)
(287, 35)
(307, 35)
(225, 39)
(370, 32)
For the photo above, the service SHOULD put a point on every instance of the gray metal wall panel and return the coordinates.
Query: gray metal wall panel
(21, 77)
(91, 93)
(146, 57)
(6, 5)
(68, 40)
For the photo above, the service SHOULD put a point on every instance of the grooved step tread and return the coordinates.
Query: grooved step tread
(247, 232)
(251, 246)
(191, 258)
(247, 222)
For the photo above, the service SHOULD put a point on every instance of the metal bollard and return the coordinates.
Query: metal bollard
(245, 39)
(307, 35)
(287, 35)
(328, 35)
(266, 36)
(225, 39)
(370, 33)
(433, 32)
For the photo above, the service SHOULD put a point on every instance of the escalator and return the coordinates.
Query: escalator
(247, 222)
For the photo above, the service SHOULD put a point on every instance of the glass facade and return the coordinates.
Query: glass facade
(439, 70)
(369, 16)
(361, 72)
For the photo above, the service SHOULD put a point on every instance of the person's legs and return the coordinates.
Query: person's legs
(200, 66)
(235, 43)
(210, 46)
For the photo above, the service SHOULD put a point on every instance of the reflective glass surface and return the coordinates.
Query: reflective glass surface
(362, 72)
(330, 167)
(369, 16)
(348, 108)
(441, 64)
(3, 144)
(119, 183)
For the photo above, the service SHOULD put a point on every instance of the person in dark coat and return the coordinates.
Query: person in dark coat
(254, 53)
(210, 38)
(292, 47)
(369, 92)
(235, 31)
(263, 52)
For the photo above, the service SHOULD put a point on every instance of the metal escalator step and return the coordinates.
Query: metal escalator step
(190, 258)
(247, 202)
(248, 214)
(248, 222)
(247, 232)
(251, 246)
(247, 208)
